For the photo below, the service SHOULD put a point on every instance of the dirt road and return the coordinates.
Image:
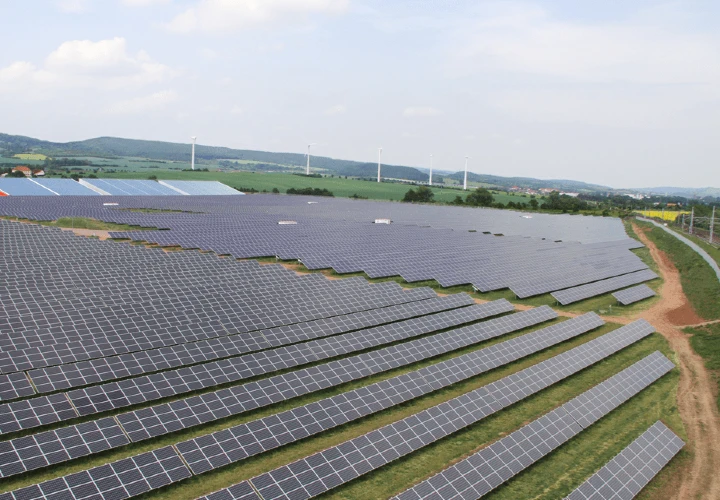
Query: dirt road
(696, 400)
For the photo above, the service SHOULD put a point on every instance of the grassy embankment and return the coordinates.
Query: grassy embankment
(699, 282)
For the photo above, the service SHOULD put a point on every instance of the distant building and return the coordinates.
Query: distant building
(38, 173)
(574, 195)
(546, 190)
(25, 170)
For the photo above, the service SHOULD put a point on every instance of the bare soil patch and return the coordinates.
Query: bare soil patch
(103, 235)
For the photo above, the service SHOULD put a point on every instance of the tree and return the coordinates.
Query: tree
(423, 195)
(534, 203)
(17, 173)
(481, 197)
(276, 190)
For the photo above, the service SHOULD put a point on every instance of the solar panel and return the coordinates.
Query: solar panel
(634, 294)
(482, 472)
(115, 481)
(633, 468)
(582, 292)
(52, 447)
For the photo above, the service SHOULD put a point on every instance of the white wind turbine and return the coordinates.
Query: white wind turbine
(192, 160)
(430, 183)
(465, 181)
(307, 168)
(379, 156)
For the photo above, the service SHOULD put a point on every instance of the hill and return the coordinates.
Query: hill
(159, 150)
(529, 182)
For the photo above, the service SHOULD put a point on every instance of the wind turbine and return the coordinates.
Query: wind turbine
(192, 160)
(379, 156)
(430, 183)
(307, 169)
(465, 181)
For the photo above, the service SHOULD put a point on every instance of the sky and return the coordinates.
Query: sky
(618, 93)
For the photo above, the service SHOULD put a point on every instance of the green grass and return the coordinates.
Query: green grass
(698, 280)
(338, 186)
(706, 342)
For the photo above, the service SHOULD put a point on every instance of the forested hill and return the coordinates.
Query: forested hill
(158, 150)
(529, 182)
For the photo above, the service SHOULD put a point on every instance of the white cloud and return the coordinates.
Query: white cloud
(236, 110)
(209, 54)
(421, 111)
(143, 104)
(104, 64)
(228, 15)
(144, 3)
(336, 110)
(525, 39)
(73, 6)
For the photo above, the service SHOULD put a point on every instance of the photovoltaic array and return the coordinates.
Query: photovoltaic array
(330, 468)
(487, 469)
(537, 254)
(107, 346)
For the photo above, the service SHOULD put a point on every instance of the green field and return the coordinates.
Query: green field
(338, 186)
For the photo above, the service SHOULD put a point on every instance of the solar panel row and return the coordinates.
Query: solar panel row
(229, 445)
(237, 443)
(104, 369)
(37, 411)
(632, 469)
(328, 469)
(170, 417)
(634, 294)
(492, 466)
(579, 293)
(438, 421)
(115, 481)
(59, 354)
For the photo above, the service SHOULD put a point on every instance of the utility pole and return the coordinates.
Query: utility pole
(682, 226)
(712, 225)
(692, 220)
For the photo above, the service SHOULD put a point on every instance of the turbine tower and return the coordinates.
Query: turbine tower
(307, 168)
(379, 156)
(465, 180)
(192, 160)
(430, 183)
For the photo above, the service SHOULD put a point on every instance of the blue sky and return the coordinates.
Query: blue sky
(625, 94)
